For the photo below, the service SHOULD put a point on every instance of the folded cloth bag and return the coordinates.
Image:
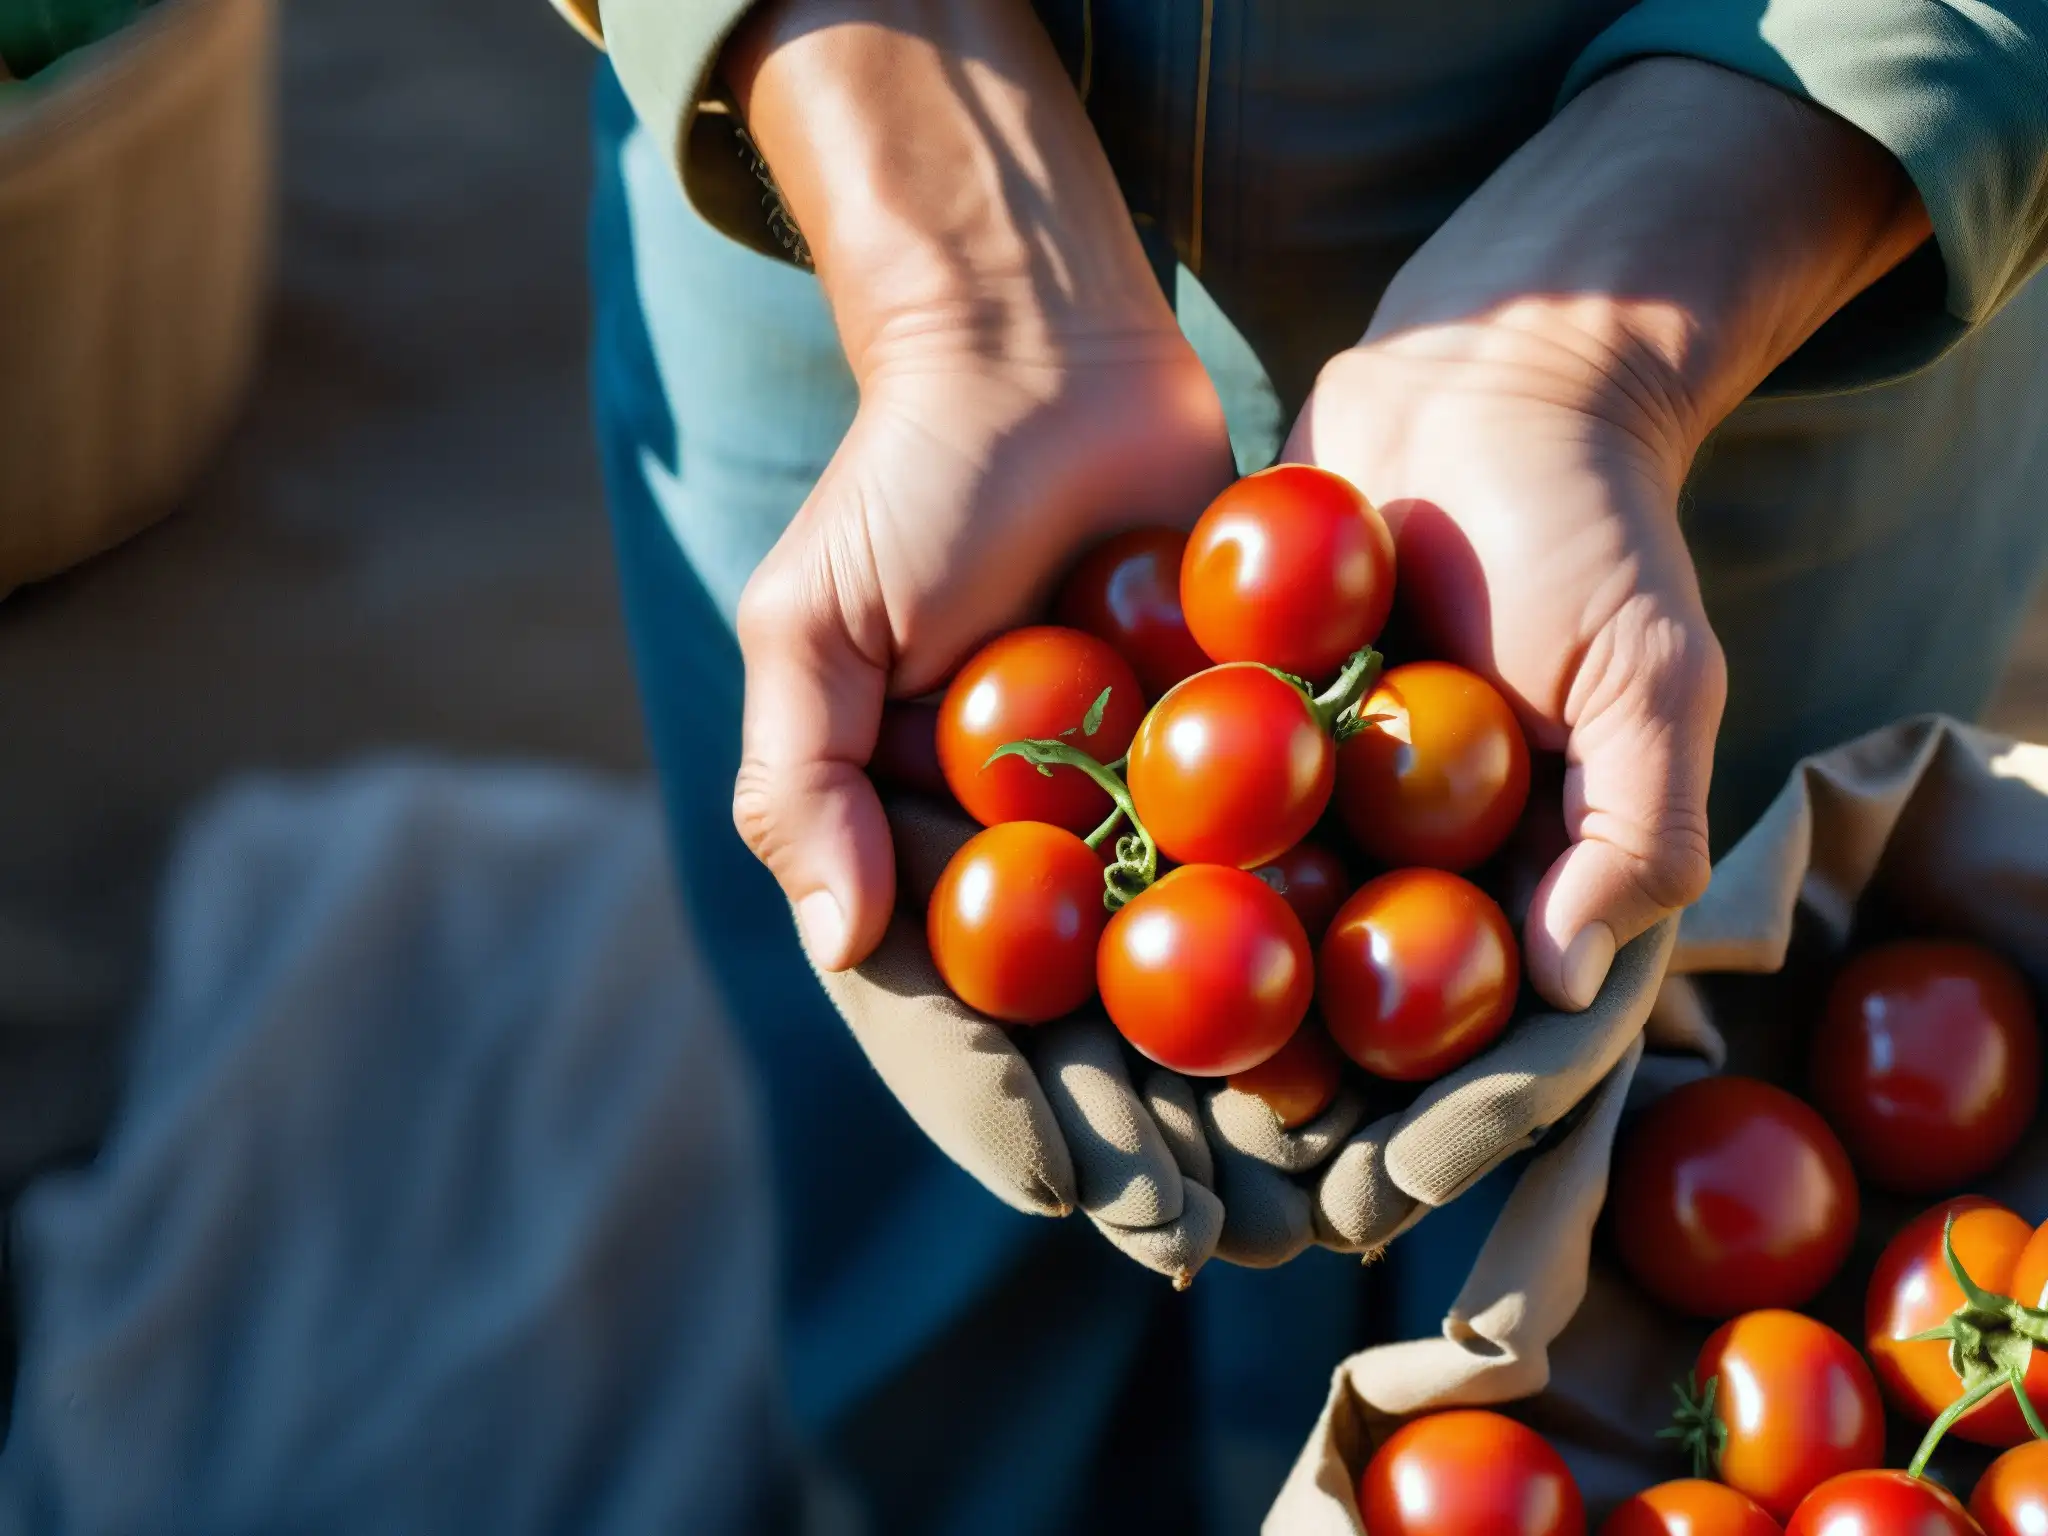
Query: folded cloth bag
(1174, 1170)
(1927, 826)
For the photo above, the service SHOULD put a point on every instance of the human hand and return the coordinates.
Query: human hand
(1024, 390)
(1525, 408)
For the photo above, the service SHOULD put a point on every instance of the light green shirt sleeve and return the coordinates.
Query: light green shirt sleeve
(1957, 90)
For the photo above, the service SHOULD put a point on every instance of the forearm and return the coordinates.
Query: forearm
(943, 173)
(1676, 232)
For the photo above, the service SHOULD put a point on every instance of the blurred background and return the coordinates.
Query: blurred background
(400, 542)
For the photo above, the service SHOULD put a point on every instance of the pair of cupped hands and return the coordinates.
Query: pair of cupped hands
(1523, 408)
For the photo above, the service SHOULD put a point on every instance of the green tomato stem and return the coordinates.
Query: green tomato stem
(1361, 671)
(1950, 1414)
(1137, 856)
(1094, 839)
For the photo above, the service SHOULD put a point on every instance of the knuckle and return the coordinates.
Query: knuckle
(756, 808)
(1674, 875)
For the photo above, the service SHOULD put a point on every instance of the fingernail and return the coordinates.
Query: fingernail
(823, 927)
(1587, 960)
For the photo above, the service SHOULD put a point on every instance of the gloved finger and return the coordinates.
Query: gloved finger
(816, 666)
(958, 1075)
(1267, 1217)
(1358, 1208)
(1171, 1100)
(1637, 764)
(1176, 1249)
(1246, 1123)
(1123, 1168)
(1464, 1124)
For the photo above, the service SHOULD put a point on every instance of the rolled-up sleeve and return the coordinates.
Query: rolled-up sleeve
(1957, 90)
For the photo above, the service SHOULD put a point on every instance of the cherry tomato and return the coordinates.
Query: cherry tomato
(1468, 1472)
(1035, 683)
(1730, 1195)
(1292, 567)
(1127, 592)
(1690, 1507)
(1207, 973)
(2011, 1498)
(1014, 921)
(1796, 1405)
(906, 754)
(1231, 767)
(1314, 882)
(1299, 1080)
(1911, 1291)
(1881, 1502)
(1928, 1062)
(1440, 775)
(1417, 974)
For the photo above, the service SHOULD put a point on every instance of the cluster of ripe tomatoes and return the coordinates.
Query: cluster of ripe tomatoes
(1734, 1201)
(1166, 778)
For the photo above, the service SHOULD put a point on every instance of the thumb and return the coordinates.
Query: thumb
(803, 800)
(1637, 769)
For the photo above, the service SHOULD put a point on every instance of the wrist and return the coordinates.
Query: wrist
(945, 178)
(1680, 228)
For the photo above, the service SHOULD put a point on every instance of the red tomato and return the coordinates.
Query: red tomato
(1796, 1406)
(1299, 1080)
(1928, 1062)
(1730, 1195)
(1417, 974)
(1035, 683)
(1014, 921)
(1292, 567)
(1441, 774)
(1911, 1291)
(1231, 767)
(1468, 1472)
(2011, 1498)
(1207, 973)
(1127, 592)
(906, 754)
(1690, 1507)
(1881, 1503)
(1314, 882)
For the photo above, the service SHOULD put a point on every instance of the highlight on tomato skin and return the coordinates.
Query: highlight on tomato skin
(1014, 922)
(1126, 591)
(1690, 1506)
(1927, 1060)
(1439, 776)
(1730, 1195)
(1313, 881)
(1035, 683)
(2011, 1498)
(1417, 974)
(1465, 1471)
(1881, 1502)
(1231, 767)
(1300, 1080)
(1292, 567)
(1207, 972)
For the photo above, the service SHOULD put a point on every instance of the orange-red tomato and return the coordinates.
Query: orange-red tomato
(1299, 1080)
(1440, 774)
(1314, 882)
(1127, 592)
(1797, 1402)
(1291, 567)
(1730, 1195)
(1880, 1502)
(2011, 1498)
(1911, 1291)
(1690, 1507)
(1467, 1472)
(1207, 973)
(1928, 1062)
(1014, 921)
(906, 754)
(1231, 767)
(1035, 683)
(1417, 974)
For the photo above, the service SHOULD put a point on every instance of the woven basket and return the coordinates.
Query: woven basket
(135, 236)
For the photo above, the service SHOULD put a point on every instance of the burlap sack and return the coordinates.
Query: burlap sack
(1925, 827)
(1175, 1171)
